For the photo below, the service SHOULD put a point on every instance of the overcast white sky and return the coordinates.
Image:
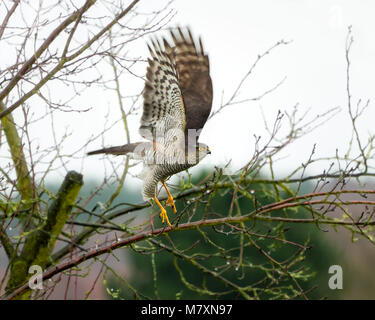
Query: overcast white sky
(314, 64)
(234, 33)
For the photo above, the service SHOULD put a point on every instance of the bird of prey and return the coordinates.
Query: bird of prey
(177, 102)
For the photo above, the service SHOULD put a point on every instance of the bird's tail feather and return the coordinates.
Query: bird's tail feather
(119, 150)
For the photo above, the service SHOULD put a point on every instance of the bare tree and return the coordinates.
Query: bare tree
(65, 45)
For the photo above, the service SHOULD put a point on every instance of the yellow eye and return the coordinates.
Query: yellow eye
(204, 149)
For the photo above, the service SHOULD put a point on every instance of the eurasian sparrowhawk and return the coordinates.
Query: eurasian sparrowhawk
(177, 102)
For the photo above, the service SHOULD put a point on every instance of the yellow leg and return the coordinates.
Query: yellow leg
(170, 200)
(163, 213)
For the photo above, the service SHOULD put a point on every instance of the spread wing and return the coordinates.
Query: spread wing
(194, 77)
(178, 89)
(163, 107)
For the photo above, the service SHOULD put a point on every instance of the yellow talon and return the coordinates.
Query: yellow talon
(170, 200)
(171, 203)
(164, 216)
(163, 213)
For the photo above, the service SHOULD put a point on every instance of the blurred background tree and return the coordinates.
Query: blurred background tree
(167, 276)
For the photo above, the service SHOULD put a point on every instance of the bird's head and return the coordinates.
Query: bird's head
(203, 149)
(197, 153)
